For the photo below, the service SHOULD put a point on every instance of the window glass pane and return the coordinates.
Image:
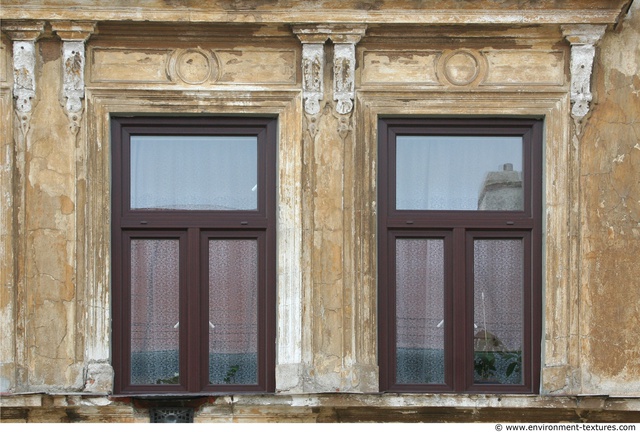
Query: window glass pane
(233, 311)
(420, 311)
(459, 173)
(498, 269)
(194, 172)
(155, 280)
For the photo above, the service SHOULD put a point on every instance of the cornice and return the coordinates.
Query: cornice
(74, 31)
(23, 30)
(388, 15)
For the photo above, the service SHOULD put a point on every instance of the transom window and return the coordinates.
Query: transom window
(460, 255)
(193, 254)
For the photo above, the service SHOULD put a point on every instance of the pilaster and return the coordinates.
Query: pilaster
(23, 34)
(332, 331)
(583, 39)
(97, 373)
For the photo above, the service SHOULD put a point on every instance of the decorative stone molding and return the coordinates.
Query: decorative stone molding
(24, 36)
(73, 35)
(344, 69)
(193, 66)
(313, 37)
(344, 124)
(583, 38)
(461, 68)
(344, 65)
(312, 76)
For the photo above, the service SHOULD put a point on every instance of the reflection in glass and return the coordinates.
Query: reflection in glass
(155, 279)
(194, 172)
(233, 311)
(498, 269)
(420, 311)
(459, 173)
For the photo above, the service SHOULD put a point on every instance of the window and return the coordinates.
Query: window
(459, 255)
(193, 247)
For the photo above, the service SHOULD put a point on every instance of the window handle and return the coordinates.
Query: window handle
(441, 323)
(178, 325)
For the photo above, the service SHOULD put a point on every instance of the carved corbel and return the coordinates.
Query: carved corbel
(24, 36)
(313, 38)
(583, 39)
(344, 69)
(73, 35)
(344, 65)
(312, 76)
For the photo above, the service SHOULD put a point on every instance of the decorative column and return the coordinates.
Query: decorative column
(73, 35)
(97, 372)
(332, 326)
(24, 36)
(583, 38)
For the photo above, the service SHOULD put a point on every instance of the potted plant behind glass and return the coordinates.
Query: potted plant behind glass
(486, 346)
(493, 362)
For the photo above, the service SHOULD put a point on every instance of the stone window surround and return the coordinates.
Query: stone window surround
(560, 160)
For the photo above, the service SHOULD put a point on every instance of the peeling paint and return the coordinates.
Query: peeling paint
(327, 194)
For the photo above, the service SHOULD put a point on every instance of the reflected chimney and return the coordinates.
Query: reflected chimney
(502, 190)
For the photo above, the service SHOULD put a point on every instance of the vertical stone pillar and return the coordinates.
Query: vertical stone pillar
(291, 367)
(583, 39)
(330, 327)
(7, 238)
(92, 316)
(14, 315)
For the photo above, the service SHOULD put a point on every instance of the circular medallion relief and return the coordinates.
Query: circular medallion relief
(193, 66)
(461, 67)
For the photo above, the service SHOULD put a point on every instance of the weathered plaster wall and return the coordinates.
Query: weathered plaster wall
(46, 294)
(54, 213)
(610, 207)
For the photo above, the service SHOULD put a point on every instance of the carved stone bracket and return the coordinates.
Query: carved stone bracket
(344, 65)
(312, 76)
(344, 69)
(583, 38)
(313, 39)
(73, 35)
(24, 36)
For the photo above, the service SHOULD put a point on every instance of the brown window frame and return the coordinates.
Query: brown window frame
(458, 228)
(193, 227)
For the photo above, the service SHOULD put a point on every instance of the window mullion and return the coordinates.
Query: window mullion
(191, 307)
(459, 322)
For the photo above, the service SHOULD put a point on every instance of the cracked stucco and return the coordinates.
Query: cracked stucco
(610, 195)
(327, 297)
(50, 238)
